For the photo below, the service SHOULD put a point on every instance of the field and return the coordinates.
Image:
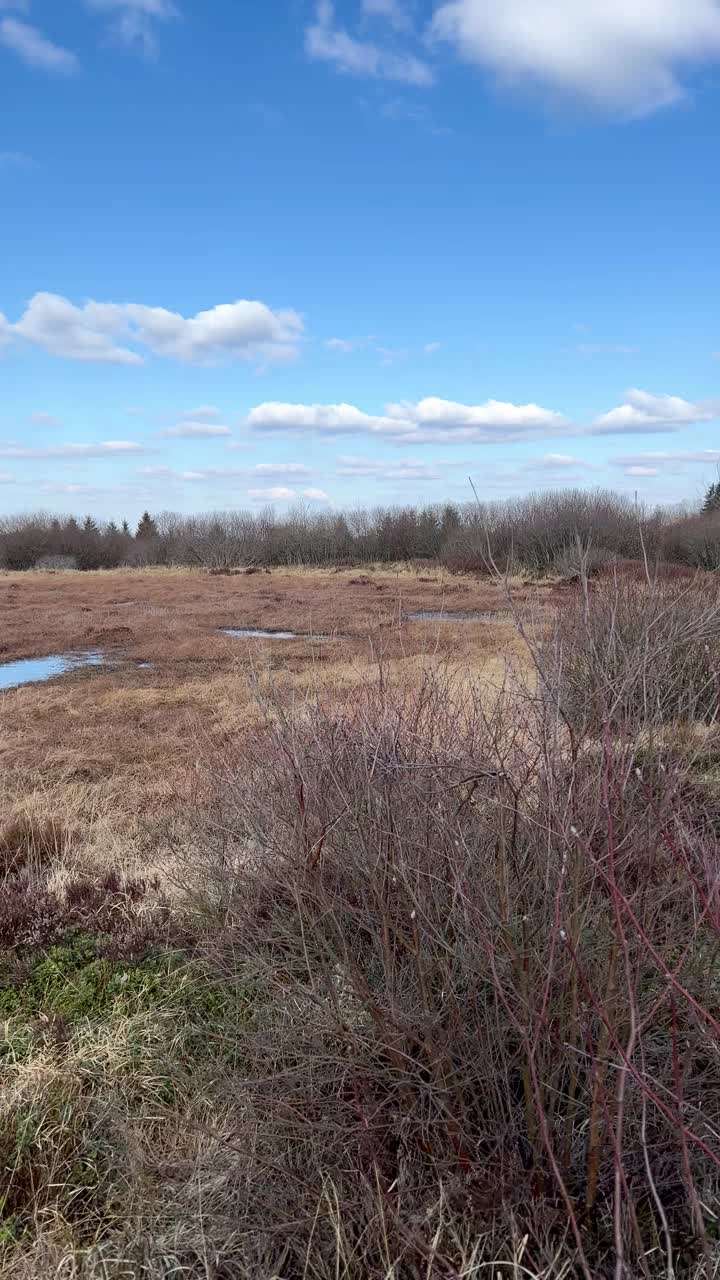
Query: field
(108, 746)
(389, 950)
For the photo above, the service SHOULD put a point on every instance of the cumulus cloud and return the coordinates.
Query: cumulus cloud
(133, 21)
(196, 430)
(644, 411)
(276, 493)
(326, 42)
(104, 449)
(33, 48)
(424, 421)
(334, 419)
(315, 495)
(280, 493)
(99, 332)
(623, 57)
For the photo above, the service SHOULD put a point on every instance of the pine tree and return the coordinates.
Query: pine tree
(111, 529)
(89, 525)
(126, 529)
(147, 527)
(712, 498)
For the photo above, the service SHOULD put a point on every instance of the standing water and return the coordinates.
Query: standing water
(34, 670)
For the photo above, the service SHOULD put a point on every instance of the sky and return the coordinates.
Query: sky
(292, 251)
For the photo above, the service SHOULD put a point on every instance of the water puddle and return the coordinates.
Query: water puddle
(248, 633)
(442, 615)
(35, 670)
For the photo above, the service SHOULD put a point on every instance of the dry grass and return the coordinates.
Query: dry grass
(427, 985)
(102, 748)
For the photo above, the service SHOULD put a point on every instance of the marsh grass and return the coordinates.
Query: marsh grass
(436, 991)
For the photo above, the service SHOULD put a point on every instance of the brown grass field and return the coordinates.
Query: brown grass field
(391, 950)
(106, 748)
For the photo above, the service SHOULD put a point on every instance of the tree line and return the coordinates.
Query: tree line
(539, 533)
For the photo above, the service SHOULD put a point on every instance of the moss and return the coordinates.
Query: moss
(75, 983)
(73, 980)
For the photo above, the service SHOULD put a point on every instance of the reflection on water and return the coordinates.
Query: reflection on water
(442, 615)
(33, 670)
(249, 634)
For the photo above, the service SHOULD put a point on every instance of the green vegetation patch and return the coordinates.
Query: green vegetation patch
(97, 1053)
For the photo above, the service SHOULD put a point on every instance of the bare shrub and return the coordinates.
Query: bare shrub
(492, 971)
(695, 541)
(637, 653)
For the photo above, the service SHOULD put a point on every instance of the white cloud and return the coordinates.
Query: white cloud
(426, 421)
(664, 459)
(78, 333)
(33, 48)
(277, 493)
(348, 345)
(5, 330)
(391, 10)
(370, 468)
(432, 348)
(104, 449)
(280, 493)
(99, 331)
(6, 478)
(615, 55)
(281, 469)
(436, 419)
(334, 419)
(315, 495)
(196, 430)
(133, 20)
(324, 42)
(645, 472)
(201, 413)
(644, 411)
(560, 462)
(204, 473)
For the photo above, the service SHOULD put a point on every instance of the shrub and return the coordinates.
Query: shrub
(495, 975)
(633, 653)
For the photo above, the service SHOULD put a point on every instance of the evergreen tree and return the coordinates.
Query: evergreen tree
(111, 529)
(126, 529)
(89, 526)
(147, 528)
(712, 498)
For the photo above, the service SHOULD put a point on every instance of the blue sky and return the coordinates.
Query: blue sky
(356, 252)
